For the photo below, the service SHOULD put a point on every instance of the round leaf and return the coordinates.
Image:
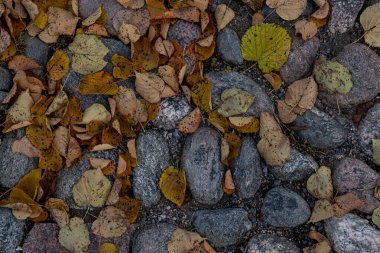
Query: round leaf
(173, 185)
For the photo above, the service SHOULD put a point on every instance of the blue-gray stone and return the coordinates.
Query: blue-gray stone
(228, 46)
(11, 231)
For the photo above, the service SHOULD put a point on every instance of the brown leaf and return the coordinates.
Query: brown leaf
(59, 210)
(24, 147)
(74, 152)
(22, 62)
(307, 29)
(228, 184)
(133, 4)
(164, 47)
(111, 222)
(5, 40)
(191, 122)
(223, 15)
(130, 206)
(323, 209)
(61, 140)
(234, 143)
(98, 83)
(346, 203)
(149, 86)
(128, 33)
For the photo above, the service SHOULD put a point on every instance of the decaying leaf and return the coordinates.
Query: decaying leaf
(128, 33)
(323, 209)
(133, 4)
(173, 185)
(5, 40)
(75, 236)
(59, 102)
(91, 189)
(307, 29)
(51, 159)
(223, 15)
(40, 136)
(191, 122)
(320, 184)
(21, 62)
(323, 245)
(98, 83)
(111, 222)
(168, 74)
(59, 210)
(74, 152)
(93, 17)
(58, 65)
(370, 20)
(235, 102)
(376, 151)
(288, 9)
(96, 112)
(234, 144)
(149, 86)
(184, 241)
(73, 113)
(201, 95)
(218, 121)
(144, 56)
(274, 80)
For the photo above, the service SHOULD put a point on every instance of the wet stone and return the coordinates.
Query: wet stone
(271, 243)
(11, 231)
(246, 170)
(284, 208)
(352, 234)
(201, 161)
(152, 239)
(222, 227)
(343, 14)
(5, 80)
(153, 157)
(221, 81)
(369, 129)
(228, 46)
(320, 130)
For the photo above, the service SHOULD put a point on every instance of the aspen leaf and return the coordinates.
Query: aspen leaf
(51, 159)
(73, 113)
(184, 241)
(235, 102)
(323, 12)
(191, 122)
(130, 206)
(93, 17)
(41, 20)
(333, 76)
(91, 189)
(173, 185)
(5, 40)
(96, 29)
(75, 236)
(24, 147)
(268, 44)
(21, 62)
(133, 4)
(370, 20)
(201, 94)
(61, 140)
(107, 166)
(40, 136)
(323, 245)
(126, 102)
(245, 124)
(128, 33)
(168, 74)
(59, 210)
(98, 83)
(58, 65)
(307, 29)
(376, 151)
(234, 144)
(224, 150)
(21, 109)
(218, 121)
(288, 9)
(8, 51)
(323, 209)
(108, 247)
(376, 217)
(149, 86)
(30, 183)
(346, 203)
(274, 80)
(320, 185)
(111, 136)
(111, 222)
(59, 102)
(96, 112)
(164, 47)
(123, 68)
(74, 152)
(113, 197)
(144, 55)
(223, 15)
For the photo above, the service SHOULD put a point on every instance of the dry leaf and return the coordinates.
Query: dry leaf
(234, 144)
(40, 136)
(245, 124)
(164, 47)
(224, 150)
(96, 112)
(191, 122)
(108, 247)
(21, 62)
(5, 40)
(75, 236)
(274, 80)
(257, 18)
(307, 29)
(323, 245)
(51, 159)
(128, 33)
(235, 102)
(73, 113)
(149, 86)
(173, 185)
(24, 147)
(59, 210)
(370, 21)
(228, 185)
(346, 203)
(59, 103)
(168, 74)
(111, 222)
(74, 152)
(93, 17)
(96, 29)
(21, 109)
(320, 184)
(144, 56)
(98, 83)
(218, 121)
(61, 140)
(323, 209)
(184, 241)
(201, 95)
(223, 15)
(133, 4)
(376, 151)
(130, 206)
(58, 65)
(288, 9)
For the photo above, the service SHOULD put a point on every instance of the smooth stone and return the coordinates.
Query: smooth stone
(139, 18)
(369, 129)
(353, 175)
(37, 49)
(68, 177)
(300, 60)
(87, 7)
(271, 243)
(184, 32)
(115, 47)
(246, 170)
(11, 231)
(228, 46)
(364, 66)
(222, 227)
(284, 208)
(221, 81)
(3, 95)
(297, 168)
(153, 157)
(13, 165)
(352, 234)
(201, 161)
(321, 130)
(5, 79)
(172, 111)
(152, 239)
(343, 14)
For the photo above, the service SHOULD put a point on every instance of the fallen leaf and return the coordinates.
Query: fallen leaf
(307, 29)
(9, 51)
(98, 83)
(257, 18)
(376, 217)
(51, 159)
(111, 222)
(149, 86)
(288, 9)
(24, 147)
(376, 151)
(128, 33)
(191, 122)
(40, 136)
(74, 152)
(144, 56)
(184, 241)
(370, 20)
(96, 29)
(58, 65)
(59, 210)
(346, 203)
(173, 185)
(168, 74)
(5, 40)
(323, 209)
(21, 109)
(130, 206)
(111, 136)
(40, 21)
(123, 68)
(228, 185)
(245, 124)
(108, 247)
(323, 11)
(223, 15)
(133, 4)
(73, 113)
(75, 236)
(320, 185)
(30, 183)
(274, 80)
(218, 121)
(168, 92)
(96, 112)
(59, 103)
(21, 62)
(235, 102)
(234, 144)
(93, 17)
(91, 189)
(323, 245)
(164, 47)
(201, 95)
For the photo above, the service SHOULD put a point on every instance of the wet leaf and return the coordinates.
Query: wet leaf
(223, 15)
(58, 65)
(75, 236)
(370, 20)
(289, 9)
(111, 222)
(98, 83)
(235, 102)
(191, 122)
(201, 94)
(173, 185)
(320, 184)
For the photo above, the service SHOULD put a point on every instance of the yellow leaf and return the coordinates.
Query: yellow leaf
(58, 65)
(41, 20)
(144, 55)
(289, 9)
(75, 236)
(98, 83)
(73, 113)
(234, 144)
(201, 95)
(51, 159)
(123, 68)
(30, 183)
(370, 20)
(111, 222)
(8, 52)
(173, 185)
(323, 209)
(130, 206)
(40, 136)
(268, 44)
(245, 124)
(108, 247)
(218, 121)
(235, 102)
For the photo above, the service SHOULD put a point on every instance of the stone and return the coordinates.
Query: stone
(228, 46)
(152, 239)
(153, 157)
(37, 49)
(372, 2)
(172, 111)
(284, 208)
(364, 66)
(115, 47)
(298, 168)
(68, 177)
(201, 161)
(87, 7)
(320, 130)
(222, 227)
(176, 32)
(36, 240)
(300, 60)
(353, 175)
(3, 95)
(369, 129)
(343, 14)
(271, 243)
(221, 80)
(11, 231)
(5, 79)
(352, 234)
(246, 170)
(13, 165)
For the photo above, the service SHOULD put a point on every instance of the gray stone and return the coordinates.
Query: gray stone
(221, 81)
(36, 49)
(5, 80)
(172, 111)
(284, 208)
(87, 7)
(222, 227)
(352, 234)
(369, 129)
(364, 66)
(343, 14)
(11, 231)
(3, 95)
(152, 239)
(246, 170)
(139, 18)
(297, 168)
(13, 165)
(115, 47)
(320, 130)
(352, 175)
(271, 243)
(300, 60)
(228, 46)
(68, 177)
(184, 32)
(153, 158)
(201, 161)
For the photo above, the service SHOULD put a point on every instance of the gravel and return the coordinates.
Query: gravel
(228, 46)
(271, 243)
(11, 231)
